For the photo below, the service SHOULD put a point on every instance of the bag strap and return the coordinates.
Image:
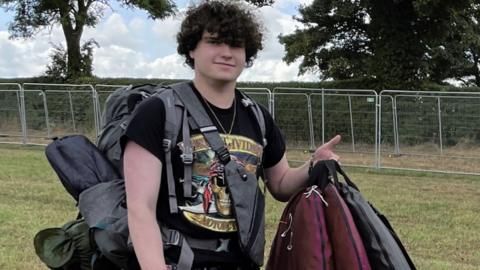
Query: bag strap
(173, 116)
(173, 237)
(333, 167)
(201, 120)
(257, 112)
(187, 157)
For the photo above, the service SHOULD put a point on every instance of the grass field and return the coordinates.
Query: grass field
(437, 216)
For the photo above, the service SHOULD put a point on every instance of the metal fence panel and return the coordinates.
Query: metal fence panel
(309, 117)
(262, 96)
(433, 131)
(11, 113)
(55, 110)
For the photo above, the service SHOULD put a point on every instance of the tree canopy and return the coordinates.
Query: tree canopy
(396, 43)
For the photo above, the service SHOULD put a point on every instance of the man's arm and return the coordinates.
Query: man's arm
(284, 181)
(142, 184)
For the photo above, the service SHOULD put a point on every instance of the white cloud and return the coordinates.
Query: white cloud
(275, 71)
(166, 30)
(136, 46)
(113, 31)
(24, 57)
(290, 4)
(123, 62)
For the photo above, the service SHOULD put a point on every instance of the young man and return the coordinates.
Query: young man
(218, 40)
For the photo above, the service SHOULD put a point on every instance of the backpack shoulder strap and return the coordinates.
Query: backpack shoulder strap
(201, 120)
(173, 118)
(257, 112)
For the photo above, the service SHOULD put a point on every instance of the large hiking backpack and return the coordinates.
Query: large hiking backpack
(116, 116)
(183, 111)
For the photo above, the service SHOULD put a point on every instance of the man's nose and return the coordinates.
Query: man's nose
(226, 50)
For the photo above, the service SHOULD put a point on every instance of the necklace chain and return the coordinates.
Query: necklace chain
(218, 121)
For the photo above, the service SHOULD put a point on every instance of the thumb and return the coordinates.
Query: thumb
(334, 141)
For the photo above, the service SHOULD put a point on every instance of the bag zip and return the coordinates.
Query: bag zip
(320, 219)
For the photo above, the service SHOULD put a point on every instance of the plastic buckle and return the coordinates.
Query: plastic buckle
(187, 158)
(124, 125)
(174, 238)
(166, 145)
(224, 155)
(247, 102)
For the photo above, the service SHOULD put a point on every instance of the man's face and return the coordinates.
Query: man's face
(217, 61)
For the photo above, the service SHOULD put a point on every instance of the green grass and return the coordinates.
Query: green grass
(437, 216)
(31, 199)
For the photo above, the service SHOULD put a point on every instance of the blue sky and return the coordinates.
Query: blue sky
(131, 45)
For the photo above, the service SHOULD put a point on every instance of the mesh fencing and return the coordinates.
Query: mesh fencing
(430, 131)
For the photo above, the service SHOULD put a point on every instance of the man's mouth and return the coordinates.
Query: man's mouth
(225, 64)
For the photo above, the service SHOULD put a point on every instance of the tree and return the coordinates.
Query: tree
(31, 16)
(383, 40)
(58, 67)
(458, 56)
(73, 15)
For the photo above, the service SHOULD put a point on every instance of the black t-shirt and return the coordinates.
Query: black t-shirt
(208, 214)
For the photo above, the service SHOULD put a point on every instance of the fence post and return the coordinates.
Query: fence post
(395, 126)
(440, 136)
(310, 123)
(323, 116)
(45, 108)
(351, 122)
(21, 112)
(378, 131)
(96, 112)
(273, 103)
(72, 114)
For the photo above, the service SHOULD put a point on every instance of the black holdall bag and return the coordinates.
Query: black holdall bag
(78, 163)
(384, 249)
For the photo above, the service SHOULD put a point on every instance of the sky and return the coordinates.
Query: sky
(132, 45)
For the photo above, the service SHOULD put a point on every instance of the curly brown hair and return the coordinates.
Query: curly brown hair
(231, 23)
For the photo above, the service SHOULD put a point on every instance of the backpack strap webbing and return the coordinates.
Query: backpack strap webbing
(173, 116)
(257, 112)
(248, 203)
(187, 157)
(201, 120)
(173, 237)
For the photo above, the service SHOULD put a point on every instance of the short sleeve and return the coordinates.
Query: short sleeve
(147, 127)
(275, 148)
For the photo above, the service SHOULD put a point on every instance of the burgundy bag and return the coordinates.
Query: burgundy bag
(384, 249)
(302, 241)
(317, 231)
(348, 250)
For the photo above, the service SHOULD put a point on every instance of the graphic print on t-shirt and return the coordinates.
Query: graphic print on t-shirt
(210, 207)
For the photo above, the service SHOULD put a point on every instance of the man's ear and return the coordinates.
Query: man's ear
(192, 54)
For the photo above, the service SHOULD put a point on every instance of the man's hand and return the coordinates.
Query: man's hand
(325, 152)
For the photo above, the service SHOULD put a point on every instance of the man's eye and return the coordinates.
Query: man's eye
(237, 45)
(214, 41)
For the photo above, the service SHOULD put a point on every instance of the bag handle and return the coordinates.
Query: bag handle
(333, 167)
